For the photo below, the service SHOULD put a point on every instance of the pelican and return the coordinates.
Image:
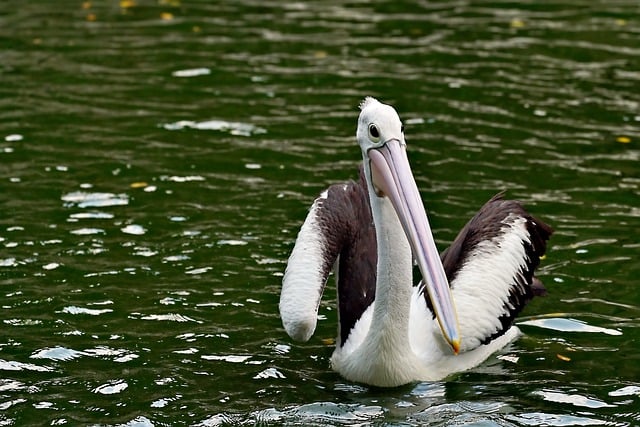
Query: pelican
(392, 332)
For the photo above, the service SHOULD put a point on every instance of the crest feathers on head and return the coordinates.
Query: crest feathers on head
(368, 100)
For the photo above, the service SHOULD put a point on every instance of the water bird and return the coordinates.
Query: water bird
(392, 332)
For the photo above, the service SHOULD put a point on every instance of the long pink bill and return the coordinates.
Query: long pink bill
(391, 175)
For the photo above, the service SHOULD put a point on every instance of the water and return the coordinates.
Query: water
(158, 157)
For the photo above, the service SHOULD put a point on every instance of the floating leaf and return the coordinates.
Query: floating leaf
(563, 358)
(623, 139)
(517, 23)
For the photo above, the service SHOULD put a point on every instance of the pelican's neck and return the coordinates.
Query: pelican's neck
(390, 322)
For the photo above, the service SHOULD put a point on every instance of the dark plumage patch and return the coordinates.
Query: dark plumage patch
(347, 224)
(487, 224)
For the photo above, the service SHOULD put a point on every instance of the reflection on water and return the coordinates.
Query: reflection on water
(542, 419)
(573, 399)
(158, 157)
(569, 325)
(234, 128)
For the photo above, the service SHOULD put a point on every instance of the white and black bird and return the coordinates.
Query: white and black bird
(392, 332)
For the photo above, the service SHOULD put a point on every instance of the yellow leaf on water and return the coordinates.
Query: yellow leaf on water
(563, 358)
(623, 139)
(517, 23)
(127, 4)
(139, 184)
(91, 17)
(166, 16)
(328, 341)
(559, 314)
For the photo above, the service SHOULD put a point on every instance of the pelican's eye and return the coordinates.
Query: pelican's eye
(374, 133)
(402, 128)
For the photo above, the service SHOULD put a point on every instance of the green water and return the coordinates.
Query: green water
(158, 157)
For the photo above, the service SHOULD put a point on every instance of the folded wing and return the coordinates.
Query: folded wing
(490, 267)
(338, 226)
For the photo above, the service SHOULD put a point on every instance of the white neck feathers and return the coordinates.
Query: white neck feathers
(390, 322)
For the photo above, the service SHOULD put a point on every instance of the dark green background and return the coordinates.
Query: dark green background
(177, 323)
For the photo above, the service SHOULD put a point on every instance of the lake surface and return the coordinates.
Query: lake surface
(158, 157)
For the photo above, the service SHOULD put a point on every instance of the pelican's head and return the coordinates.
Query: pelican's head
(377, 124)
(381, 137)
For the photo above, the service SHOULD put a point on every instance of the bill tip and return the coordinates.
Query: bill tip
(455, 344)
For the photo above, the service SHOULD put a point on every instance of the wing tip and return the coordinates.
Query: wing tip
(538, 288)
(300, 329)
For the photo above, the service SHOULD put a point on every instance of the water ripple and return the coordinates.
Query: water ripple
(169, 317)
(12, 365)
(555, 420)
(83, 310)
(159, 157)
(233, 128)
(112, 387)
(321, 413)
(58, 353)
(84, 199)
(569, 325)
(572, 399)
